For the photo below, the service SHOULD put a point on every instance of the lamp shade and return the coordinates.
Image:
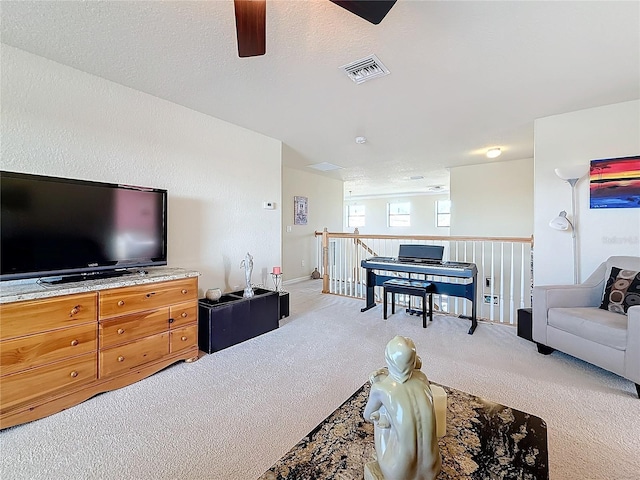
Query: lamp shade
(561, 222)
(572, 172)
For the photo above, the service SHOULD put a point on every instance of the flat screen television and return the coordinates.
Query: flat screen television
(75, 229)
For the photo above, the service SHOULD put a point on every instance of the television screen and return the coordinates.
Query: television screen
(55, 226)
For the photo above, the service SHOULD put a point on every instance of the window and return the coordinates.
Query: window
(399, 214)
(355, 216)
(443, 213)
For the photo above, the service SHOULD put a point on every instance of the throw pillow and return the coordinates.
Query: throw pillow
(621, 291)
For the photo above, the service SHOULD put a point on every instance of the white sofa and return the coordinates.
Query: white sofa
(568, 318)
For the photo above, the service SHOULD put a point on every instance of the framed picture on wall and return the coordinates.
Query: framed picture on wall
(300, 210)
(615, 183)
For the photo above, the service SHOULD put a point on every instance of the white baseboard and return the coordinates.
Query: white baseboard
(296, 280)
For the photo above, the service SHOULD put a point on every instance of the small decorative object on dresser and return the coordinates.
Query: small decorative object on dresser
(276, 275)
(213, 294)
(247, 264)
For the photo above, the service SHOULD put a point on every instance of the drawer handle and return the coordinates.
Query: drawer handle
(74, 310)
(121, 358)
(183, 338)
(74, 343)
(120, 331)
(151, 293)
(184, 315)
(74, 374)
(121, 303)
(184, 291)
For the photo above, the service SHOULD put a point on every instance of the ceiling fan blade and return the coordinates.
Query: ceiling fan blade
(251, 19)
(371, 10)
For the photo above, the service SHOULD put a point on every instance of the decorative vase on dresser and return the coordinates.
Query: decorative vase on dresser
(62, 345)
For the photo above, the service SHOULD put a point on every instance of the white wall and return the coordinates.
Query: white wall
(325, 210)
(423, 215)
(494, 199)
(577, 138)
(62, 122)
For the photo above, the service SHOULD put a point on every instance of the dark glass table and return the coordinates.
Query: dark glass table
(484, 440)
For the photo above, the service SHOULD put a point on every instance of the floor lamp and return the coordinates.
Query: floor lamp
(571, 175)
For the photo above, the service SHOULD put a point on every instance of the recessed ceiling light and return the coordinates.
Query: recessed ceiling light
(361, 140)
(325, 166)
(494, 152)
(416, 177)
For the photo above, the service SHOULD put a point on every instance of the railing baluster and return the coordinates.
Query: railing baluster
(522, 276)
(511, 289)
(342, 253)
(491, 306)
(501, 296)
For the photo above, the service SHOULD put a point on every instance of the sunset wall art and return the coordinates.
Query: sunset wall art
(615, 183)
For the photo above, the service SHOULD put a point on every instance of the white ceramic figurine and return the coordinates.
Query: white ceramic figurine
(401, 407)
(247, 264)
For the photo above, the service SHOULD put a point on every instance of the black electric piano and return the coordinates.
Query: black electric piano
(424, 261)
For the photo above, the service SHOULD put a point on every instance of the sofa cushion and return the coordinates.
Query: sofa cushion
(591, 323)
(621, 291)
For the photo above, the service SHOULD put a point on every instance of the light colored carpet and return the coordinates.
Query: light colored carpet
(232, 414)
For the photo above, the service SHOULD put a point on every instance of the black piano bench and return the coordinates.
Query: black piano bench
(413, 288)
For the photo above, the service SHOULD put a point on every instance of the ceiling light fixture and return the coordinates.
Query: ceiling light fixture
(361, 140)
(494, 152)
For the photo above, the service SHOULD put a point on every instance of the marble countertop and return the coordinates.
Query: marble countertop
(18, 290)
(484, 440)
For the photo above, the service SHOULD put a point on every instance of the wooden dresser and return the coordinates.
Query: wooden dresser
(63, 348)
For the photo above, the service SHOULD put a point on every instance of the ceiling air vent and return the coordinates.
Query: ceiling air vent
(365, 69)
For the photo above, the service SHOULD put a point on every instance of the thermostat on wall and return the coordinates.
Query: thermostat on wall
(268, 205)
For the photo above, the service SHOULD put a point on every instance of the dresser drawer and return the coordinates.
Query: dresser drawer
(183, 338)
(132, 327)
(35, 316)
(34, 350)
(184, 314)
(138, 298)
(47, 380)
(125, 357)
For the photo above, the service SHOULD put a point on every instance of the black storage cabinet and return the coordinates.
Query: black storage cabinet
(284, 304)
(525, 326)
(234, 319)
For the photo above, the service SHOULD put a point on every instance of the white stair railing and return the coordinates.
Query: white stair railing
(504, 269)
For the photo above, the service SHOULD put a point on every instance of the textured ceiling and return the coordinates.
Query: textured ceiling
(465, 76)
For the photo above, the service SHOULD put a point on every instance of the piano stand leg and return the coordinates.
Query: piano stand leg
(368, 307)
(474, 323)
